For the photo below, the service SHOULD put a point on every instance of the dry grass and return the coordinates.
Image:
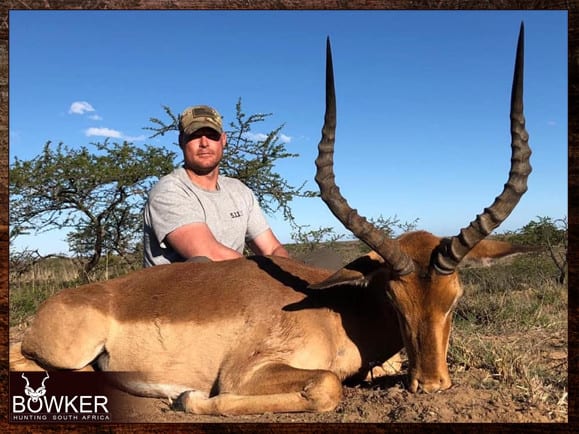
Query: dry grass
(512, 324)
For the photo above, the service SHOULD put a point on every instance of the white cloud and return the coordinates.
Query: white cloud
(95, 117)
(134, 138)
(80, 107)
(103, 132)
(261, 137)
(108, 132)
(256, 136)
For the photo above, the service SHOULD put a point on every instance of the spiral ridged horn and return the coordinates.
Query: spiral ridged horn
(451, 251)
(375, 238)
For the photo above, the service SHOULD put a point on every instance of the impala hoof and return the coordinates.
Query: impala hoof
(430, 386)
(188, 401)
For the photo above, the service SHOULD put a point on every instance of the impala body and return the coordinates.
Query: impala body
(269, 334)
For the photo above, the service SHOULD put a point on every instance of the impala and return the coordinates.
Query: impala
(267, 334)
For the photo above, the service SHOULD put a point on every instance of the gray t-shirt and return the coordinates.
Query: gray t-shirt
(232, 214)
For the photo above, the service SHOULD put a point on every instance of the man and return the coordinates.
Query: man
(194, 211)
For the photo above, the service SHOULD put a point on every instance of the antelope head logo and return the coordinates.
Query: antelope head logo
(33, 394)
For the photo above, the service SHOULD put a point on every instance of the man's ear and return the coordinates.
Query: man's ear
(181, 140)
(223, 139)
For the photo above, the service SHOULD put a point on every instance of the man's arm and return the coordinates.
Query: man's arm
(196, 239)
(266, 243)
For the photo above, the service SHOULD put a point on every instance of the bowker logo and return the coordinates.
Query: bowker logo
(36, 405)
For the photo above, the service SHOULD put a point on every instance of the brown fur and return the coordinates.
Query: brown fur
(253, 334)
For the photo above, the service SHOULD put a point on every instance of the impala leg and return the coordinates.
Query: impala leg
(20, 363)
(65, 336)
(273, 388)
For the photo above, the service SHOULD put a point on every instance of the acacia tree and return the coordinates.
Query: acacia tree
(97, 195)
(550, 234)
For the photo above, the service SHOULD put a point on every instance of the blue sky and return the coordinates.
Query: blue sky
(423, 98)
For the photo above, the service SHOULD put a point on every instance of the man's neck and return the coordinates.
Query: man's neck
(206, 181)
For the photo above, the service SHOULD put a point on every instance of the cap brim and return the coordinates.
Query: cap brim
(195, 126)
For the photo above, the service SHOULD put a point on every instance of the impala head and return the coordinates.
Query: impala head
(418, 270)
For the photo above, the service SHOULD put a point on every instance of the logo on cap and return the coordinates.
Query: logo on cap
(197, 117)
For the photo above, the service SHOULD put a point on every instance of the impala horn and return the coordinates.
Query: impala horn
(451, 251)
(375, 238)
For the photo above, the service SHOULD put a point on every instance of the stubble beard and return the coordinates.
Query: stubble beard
(202, 170)
(203, 167)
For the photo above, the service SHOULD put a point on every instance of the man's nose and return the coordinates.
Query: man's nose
(204, 141)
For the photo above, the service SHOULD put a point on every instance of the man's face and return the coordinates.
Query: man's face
(204, 150)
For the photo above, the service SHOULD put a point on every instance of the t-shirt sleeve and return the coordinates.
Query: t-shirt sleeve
(171, 207)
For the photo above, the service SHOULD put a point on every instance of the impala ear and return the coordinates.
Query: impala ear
(497, 249)
(358, 273)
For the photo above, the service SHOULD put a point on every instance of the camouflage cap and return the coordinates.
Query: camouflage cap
(197, 117)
